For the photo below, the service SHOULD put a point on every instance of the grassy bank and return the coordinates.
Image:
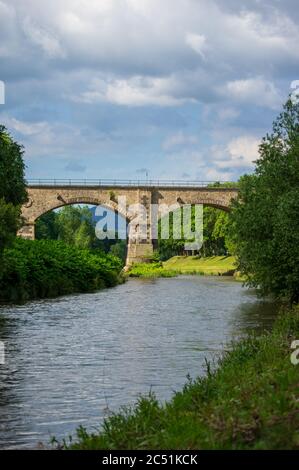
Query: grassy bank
(249, 402)
(151, 270)
(48, 268)
(214, 265)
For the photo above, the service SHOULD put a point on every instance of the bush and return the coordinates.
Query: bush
(46, 268)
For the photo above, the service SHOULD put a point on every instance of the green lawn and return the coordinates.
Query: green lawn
(213, 265)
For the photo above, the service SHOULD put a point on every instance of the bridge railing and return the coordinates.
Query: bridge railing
(126, 183)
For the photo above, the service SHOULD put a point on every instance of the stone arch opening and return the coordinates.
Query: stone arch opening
(114, 223)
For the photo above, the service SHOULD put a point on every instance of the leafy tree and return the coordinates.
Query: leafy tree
(12, 167)
(216, 236)
(46, 227)
(68, 222)
(265, 217)
(9, 216)
(12, 187)
(119, 249)
(75, 225)
(84, 236)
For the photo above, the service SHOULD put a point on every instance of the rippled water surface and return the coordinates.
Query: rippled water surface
(71, 360)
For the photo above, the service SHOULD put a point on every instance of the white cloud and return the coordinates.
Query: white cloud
(197, 42)
(240, 152)
(135, 91)
(27, 128)
(257, 91)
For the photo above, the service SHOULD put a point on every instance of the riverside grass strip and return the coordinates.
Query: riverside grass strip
(213, 266)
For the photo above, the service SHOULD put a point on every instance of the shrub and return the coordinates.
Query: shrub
(46, 268)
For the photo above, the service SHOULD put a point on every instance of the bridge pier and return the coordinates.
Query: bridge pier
(138, 253)
(27, 231)
(140, 245)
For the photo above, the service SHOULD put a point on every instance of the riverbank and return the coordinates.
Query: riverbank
(213, 266)
(47, 268)
(249, 402)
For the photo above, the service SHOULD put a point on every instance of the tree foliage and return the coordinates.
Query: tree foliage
(12, 179)
(74, 225)
(46, 268)
(265, 217)
(12, 187)
(216, 235)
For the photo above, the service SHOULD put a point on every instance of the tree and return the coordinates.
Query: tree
(84, 236)
(12, 167)
(216, 236)
(75, 226)
(12, 187)
(9, 223)
(265, 217)
(119, 249)
(46, 226)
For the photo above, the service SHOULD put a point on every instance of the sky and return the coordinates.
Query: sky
(182, 89)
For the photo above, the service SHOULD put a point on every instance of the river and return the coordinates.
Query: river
(70, 361)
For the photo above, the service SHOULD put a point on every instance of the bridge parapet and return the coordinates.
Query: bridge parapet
(123, 183)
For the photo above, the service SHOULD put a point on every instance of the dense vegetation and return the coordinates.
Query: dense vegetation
(12, 188)
(36, 269)
(249, 402)
(45, 268)
(216, 236)
(75, 226)
(265, 218)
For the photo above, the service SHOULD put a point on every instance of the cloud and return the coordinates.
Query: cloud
(75, 167)
(2, 92)
(42, 38)
(240, 152)
(227, 113)
(179, 139)
(197, 42)
(257, 91)
(136, 91)
(27, 128)
(213, 174)
(108, 81)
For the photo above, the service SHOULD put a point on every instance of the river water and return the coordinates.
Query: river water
(72, 360)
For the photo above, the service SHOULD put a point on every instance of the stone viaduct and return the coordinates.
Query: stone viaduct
(43, 198)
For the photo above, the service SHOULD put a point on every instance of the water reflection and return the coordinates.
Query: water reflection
(70, 358)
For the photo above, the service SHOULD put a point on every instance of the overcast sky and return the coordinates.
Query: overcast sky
(107, 88)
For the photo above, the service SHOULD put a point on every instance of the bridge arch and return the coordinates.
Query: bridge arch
(112, 206)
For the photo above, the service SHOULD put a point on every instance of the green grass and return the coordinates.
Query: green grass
(150, 270)
(249, 402)
(213, 265)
